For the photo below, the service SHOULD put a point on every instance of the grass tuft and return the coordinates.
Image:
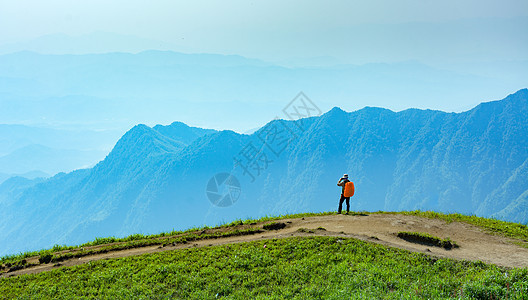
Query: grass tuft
(427, 239)
(274, 226)
(45, 258)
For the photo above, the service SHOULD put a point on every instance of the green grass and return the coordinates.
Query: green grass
(185, 238)
(508, 229)
(428, 239)
(292, 268)
(15, 258)
(48, 256)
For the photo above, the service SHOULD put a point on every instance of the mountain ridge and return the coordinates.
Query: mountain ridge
(413, 159)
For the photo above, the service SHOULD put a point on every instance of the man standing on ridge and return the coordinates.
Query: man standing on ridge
(346, 192)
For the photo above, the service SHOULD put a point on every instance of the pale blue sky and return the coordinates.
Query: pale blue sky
(350, 31)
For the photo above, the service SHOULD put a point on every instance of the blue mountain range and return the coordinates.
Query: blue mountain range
(162, 178)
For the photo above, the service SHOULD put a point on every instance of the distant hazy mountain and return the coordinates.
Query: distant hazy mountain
(118, 90)
(157, 178)
(27, 175)
(13, 137)
(28, 149)
(96, 42)
(48, 160)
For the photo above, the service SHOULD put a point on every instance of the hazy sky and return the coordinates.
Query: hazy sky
(351, 31)
(483, 42)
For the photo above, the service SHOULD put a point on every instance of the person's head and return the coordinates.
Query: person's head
(345, 176)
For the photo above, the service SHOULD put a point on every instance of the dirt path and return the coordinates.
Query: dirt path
(475, 244)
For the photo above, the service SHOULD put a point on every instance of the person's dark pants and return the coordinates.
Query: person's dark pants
(341, 203)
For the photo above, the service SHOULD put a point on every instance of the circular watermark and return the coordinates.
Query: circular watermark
(223, 189)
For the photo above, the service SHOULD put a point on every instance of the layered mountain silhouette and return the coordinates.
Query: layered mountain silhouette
(32, 152)
(115, 90)
(156, 179)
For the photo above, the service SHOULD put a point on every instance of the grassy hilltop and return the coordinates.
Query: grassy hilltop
(310, 267)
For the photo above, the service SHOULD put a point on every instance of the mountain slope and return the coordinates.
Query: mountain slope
(48, 160)
(156, 178)
(69, 207)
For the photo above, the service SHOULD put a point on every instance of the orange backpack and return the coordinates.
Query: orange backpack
(349, 189)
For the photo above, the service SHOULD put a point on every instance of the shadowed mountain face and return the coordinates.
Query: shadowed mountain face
(155, 179)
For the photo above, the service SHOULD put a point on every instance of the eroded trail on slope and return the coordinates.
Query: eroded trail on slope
(475, 243)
